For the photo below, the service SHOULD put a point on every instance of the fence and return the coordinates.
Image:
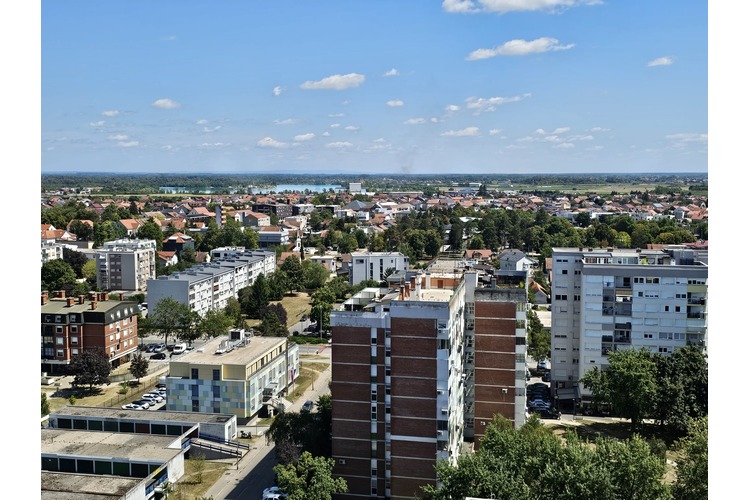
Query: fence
(145, 385)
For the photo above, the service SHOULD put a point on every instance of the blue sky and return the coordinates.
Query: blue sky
(414, 87)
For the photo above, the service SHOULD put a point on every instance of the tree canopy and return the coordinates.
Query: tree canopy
(172, 319)
(90, 367)
(310, 478)
(58, 275)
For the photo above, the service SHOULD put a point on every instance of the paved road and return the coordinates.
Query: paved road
(254, 472)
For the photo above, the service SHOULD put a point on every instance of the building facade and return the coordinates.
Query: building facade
(235, 376)
(373, 265)
(126, 264)
(605, 300)
(210, 286)
(73, 324)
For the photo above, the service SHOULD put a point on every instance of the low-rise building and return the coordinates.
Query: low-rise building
(373, 265)
(125, 264)
(72, 324)
(237, 376)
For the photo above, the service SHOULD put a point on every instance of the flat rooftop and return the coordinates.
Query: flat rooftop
(146, 416)
(71, 486)
(254, 348)
(118, 445)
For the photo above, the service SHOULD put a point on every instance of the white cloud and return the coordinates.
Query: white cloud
(214, 145)
(110, 113)
(395, 103)
(526, 139)
(580, 138)
(540, 131)
(277, 91)
(269, 142)
(336, 115)
(564, 145)
(335, 125)
(339, 145)
(326, 134)
(520, 48)
(661, 61)
(514, 146)
(599, 129)
(351, 127)
(209, 130)
(201, 122)
(503, 6)
(304, 137)
(417, 121)
(287, 121)
(335, 82)
(391, 72)
(490, 104)
(552, 138)
(595, 148)
(98, 124)
(467, 132)
(561, 130)
(118, 137)
(452, 108)
(495, 131)
(688, 137)
(129, 144)
(165, 104)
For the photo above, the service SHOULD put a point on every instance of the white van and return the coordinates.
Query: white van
(179, 348)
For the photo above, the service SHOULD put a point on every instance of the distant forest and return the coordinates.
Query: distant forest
(115, 183)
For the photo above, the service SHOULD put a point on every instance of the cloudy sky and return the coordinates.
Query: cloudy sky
(479, 86)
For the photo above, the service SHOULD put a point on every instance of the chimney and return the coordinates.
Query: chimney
(71, 301)
(102, 296)
(427, 281)
(45, 297)
(493, 283)
(93, 304)
(122, 296)
(81, 299)
(413, 282)
(401, 293)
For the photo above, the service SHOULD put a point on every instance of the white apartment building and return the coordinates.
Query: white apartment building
(267, 264)
(208, 286)
(605, 300)
(273, 236)
(51, 251)
(126, 264)
(372, 265)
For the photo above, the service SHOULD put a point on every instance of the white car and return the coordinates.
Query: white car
(273, 493)
(155, 397)
(131, 406)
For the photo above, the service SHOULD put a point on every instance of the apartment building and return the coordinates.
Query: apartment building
(72, 324)
(125, 264)
(604, 300)
(273, 236)
(238, 375)
(373, 265)
(209, 286)
(281, 210)
(267, 265)
(416, 370)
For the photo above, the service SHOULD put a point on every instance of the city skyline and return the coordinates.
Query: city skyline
(577, 86)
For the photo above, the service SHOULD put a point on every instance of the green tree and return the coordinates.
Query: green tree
(91, 367)
(309, 479)
(293, 269)
(45, 405)
(692, 464)
(198, 465)
(57, 275)
(88, 271)
(233, 310)
(214, 323)
(151, 231)
(82, 230)
(314, 274)
(255, 297)
(76, 260)
(138, 367)
(171, 319)
(539, 346)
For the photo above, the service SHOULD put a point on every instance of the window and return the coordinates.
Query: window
(194, 373)
(74, 340)
(194, 391)
(196, 406)
(59, 340)
(58, 329)
(677, 308)
(60, 353)
(216, 375)
(74, 329)
(74, 351)
(666, 308)
(216, 391)
(648, 335)
(564, 271)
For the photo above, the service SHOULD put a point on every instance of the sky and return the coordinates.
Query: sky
(402, 87)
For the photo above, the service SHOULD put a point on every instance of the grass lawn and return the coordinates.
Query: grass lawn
(188, 487)
(307, 373)
(295, 304)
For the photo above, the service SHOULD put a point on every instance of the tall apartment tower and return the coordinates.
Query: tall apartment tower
(126, 264)
(397, 387)
(604, 300)
(415, 372)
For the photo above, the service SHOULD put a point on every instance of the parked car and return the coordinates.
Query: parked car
(273, 493)
(155, 397)
(179, 349)
(307, 406)
(546, 377)
(143, 403)
(547, 413)
(158, 392)
(131, 406)
(160, 347)
(150, 347)
(542, 365)
(159, 355)
(161, 386)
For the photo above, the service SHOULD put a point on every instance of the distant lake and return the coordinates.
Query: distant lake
(279, 188)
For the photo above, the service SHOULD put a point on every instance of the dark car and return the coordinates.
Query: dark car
(159, 355)
(546, 377)
(546, 412)
(307, 407)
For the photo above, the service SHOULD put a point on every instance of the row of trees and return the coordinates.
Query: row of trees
(639, 384)
(532, 463)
